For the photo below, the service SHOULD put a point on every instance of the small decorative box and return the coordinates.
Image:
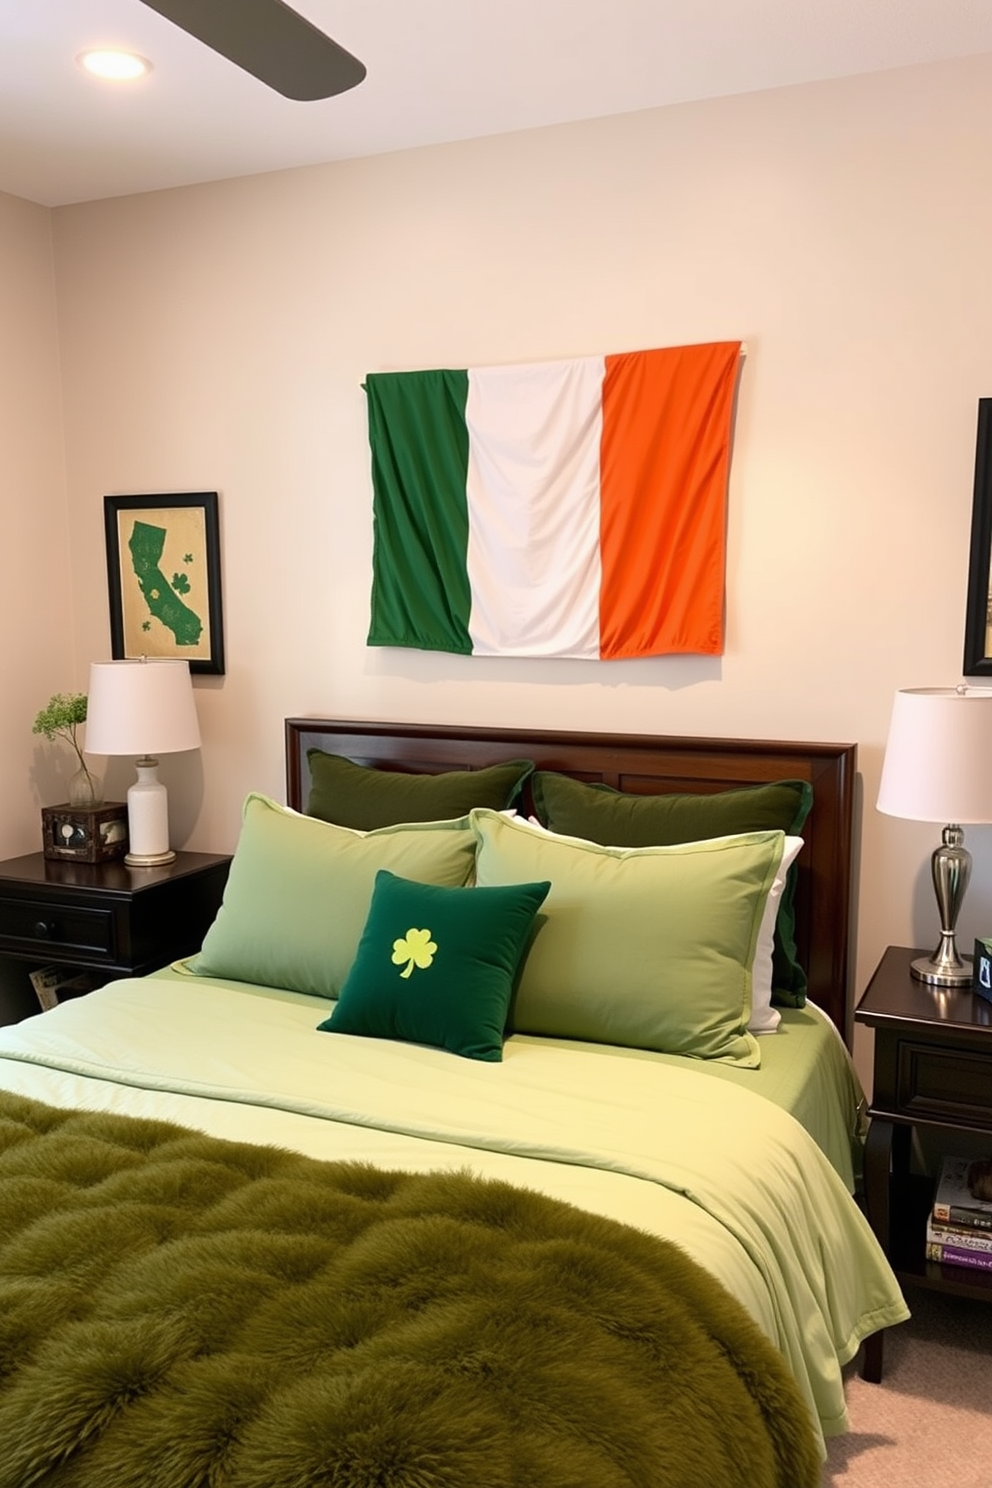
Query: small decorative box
(85, 834)
(983, 968)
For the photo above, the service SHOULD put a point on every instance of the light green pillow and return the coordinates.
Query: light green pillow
(354, 795)
(436, 965)
(651, 948)
(299, 891)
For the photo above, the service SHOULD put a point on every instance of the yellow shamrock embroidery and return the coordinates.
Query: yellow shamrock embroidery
(416, 950)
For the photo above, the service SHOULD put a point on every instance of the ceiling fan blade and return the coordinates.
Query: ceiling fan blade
(272, 42)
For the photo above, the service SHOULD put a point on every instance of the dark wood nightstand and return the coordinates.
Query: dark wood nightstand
(107, 918)
(932, 1069)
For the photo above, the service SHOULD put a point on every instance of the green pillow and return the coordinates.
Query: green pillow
(356, 796)
(651, 948)
(299, 890)
(436, 966)
(619, 819)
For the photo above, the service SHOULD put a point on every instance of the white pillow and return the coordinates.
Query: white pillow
(765, 1018)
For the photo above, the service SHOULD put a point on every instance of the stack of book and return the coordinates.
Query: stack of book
(959, 1227)
(53, 983)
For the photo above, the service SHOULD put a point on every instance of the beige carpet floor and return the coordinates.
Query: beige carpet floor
(929, 1423)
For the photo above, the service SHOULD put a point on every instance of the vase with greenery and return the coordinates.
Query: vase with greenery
(59, 719)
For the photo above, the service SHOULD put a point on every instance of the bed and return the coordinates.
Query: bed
(271, 1216)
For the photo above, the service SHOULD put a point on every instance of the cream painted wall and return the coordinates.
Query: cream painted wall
(36, 612)
(216, 337)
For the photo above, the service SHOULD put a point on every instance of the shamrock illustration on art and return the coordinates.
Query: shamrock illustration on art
(417, 949)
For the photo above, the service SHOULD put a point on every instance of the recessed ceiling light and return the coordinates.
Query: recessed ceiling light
(117, 66)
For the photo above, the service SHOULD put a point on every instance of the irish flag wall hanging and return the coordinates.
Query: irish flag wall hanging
(554, 509)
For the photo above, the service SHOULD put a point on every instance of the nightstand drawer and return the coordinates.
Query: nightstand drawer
(28, 923)
(944, 1083)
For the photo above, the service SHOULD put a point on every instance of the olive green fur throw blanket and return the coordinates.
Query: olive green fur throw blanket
(178, 1311)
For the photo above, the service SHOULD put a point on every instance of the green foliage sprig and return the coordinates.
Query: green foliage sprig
(59, 718)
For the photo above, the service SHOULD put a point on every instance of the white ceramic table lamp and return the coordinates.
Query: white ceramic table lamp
(938, 768)
(144, 708)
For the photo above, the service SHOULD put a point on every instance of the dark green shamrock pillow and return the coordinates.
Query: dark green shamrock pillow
(437, 965)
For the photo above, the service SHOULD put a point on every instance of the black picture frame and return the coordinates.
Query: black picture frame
(163, 578)
(978, 613)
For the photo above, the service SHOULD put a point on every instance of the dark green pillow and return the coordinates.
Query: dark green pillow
(615, 818)
(437, 965)
(352, 795)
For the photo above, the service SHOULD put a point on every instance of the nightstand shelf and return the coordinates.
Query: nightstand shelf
(911, 1198)
(107, 918)
(932, 1072)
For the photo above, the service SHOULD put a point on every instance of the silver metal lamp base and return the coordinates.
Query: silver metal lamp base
(950, 868)
(942, 971)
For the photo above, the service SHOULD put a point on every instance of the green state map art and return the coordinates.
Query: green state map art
(146, 545)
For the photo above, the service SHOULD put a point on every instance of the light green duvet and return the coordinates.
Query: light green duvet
(652, 1142)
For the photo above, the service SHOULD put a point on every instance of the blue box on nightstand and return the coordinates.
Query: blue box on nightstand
(983, 968)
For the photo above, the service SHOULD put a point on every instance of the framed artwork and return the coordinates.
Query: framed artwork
(978, 616)
(163, 572)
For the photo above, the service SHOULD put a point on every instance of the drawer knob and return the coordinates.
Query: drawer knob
(43, 930)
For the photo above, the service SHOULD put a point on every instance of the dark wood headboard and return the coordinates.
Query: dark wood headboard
(646, 765)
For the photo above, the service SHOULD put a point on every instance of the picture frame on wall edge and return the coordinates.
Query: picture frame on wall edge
(164, 578)
(978, 614)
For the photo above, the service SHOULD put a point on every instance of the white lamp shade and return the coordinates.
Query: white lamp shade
(141, 708)
(938, 758)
